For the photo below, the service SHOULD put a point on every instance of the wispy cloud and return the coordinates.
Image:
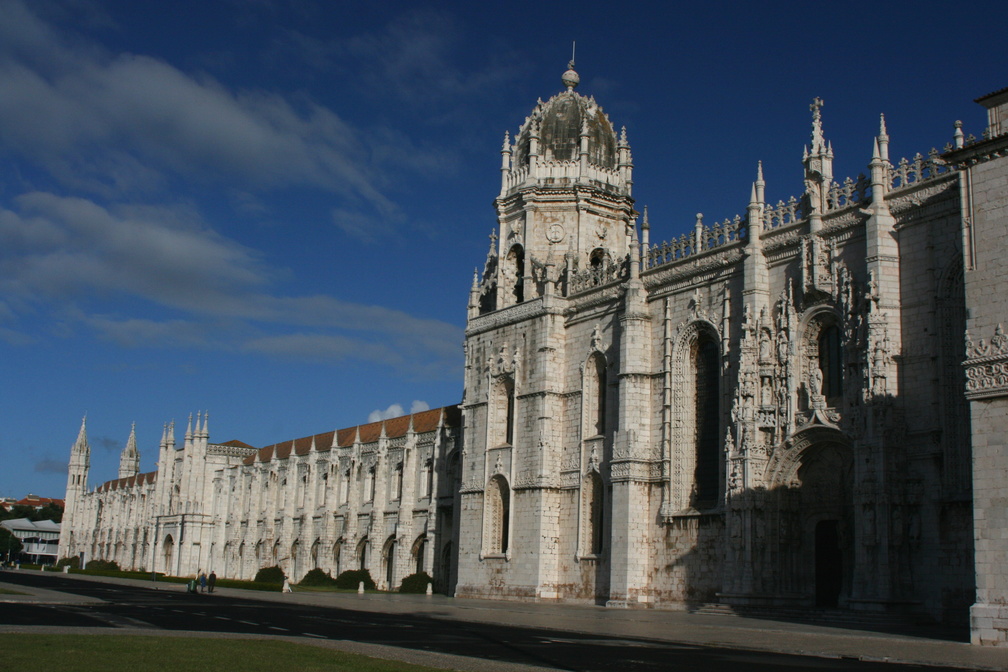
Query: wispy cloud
(114, 122)
(396, 410)
(51, 466)
(110, 136)
(62, 254)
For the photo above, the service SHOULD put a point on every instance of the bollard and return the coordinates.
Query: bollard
(360, 588)
(430, 588)
(66, 569)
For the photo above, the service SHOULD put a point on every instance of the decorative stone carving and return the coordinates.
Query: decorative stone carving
(987, 366)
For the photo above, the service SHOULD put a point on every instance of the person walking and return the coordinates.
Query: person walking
(286, 585)
(211, 581)
(202, 581)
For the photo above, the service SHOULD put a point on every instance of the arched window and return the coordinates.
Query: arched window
(591, 514)
(362, 550)
(594, 395)
(419, 550)
(498, 509)
(515, 269)
(831, 364)
(397, 494)
(707, 417)
(502, 418)
(336, 556)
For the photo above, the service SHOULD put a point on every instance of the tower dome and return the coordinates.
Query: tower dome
(558, 125)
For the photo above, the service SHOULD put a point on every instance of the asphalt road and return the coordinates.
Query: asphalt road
(172, 610)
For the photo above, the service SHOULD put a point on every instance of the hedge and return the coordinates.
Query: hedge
(350, 579)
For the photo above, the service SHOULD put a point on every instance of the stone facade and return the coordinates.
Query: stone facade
(376, 497)
(768, 410)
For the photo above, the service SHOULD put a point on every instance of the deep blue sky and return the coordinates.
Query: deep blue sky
(272, 211)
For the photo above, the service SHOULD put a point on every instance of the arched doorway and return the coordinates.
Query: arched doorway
(169, 552)
(388, 560)
(809, 547)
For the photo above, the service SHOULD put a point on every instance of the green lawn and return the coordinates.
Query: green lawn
(122, 653)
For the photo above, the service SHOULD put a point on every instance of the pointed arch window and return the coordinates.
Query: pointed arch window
(498, 510)
(397, 494)
(591, 514)
(515, 271)
(594, 395)
(707, 414)
(502, 413)
(831, 364)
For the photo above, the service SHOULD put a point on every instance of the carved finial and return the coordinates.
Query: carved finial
(645, 224)
(957, 137)
(622, 136)
(759, 171)
(817, 134)
(507, 142)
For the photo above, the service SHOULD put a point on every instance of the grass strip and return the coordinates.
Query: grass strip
(123, 653)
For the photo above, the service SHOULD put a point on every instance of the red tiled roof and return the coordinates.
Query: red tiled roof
(324, 441)
(395, 427)
(345, 437)
(425, 421)
(236, 443)
(370, 432)
(35, 500)
(303, 445)
(283, 450)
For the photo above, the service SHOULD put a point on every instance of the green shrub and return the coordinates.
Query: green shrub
(269, 575)
(350, 579)
(415, 583)
(103, 565)
(74, 563)
(317, 577)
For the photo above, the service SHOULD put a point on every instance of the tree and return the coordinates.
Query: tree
(10, 545)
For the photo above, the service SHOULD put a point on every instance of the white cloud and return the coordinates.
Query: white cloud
(396, 410)
(116, 121)
(393, 411)
(64, 254)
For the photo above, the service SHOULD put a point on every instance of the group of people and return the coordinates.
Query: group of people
(206, 583)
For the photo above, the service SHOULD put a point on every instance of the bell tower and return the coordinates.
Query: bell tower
(565, 203)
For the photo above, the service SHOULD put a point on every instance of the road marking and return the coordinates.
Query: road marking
(311, 634)
(222, 618)
(248, 622)
(273, 627)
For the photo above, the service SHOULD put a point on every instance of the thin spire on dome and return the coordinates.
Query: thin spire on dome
(571, 78)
